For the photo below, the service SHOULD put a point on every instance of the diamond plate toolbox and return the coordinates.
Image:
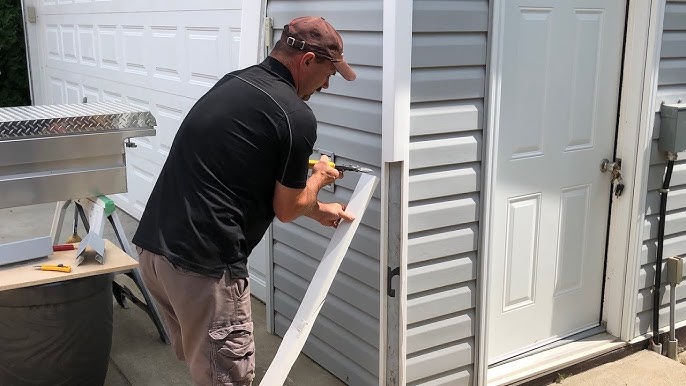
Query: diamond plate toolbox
(55, 120)
(53, 153)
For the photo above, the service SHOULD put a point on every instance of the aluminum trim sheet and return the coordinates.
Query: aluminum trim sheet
(55, 120)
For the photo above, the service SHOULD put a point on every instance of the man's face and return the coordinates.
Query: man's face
(315, 76)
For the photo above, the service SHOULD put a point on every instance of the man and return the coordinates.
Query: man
(239, 158)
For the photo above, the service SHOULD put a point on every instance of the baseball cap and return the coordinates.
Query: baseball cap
(313, 33)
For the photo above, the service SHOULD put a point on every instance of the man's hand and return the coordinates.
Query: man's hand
(290, 204)
(323, 173)
(331, 214)
(328, 214)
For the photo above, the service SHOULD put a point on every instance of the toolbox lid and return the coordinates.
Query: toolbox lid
(81, 118)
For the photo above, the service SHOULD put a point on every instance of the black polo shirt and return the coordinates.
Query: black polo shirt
(213, 199)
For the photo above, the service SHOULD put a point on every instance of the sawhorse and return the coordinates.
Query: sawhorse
(93, 211)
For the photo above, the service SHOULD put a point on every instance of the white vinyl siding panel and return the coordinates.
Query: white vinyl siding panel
(449, 47)
(671, 88)
(345, 337)
(425, 246)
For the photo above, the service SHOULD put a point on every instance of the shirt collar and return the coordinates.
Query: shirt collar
(278, 68)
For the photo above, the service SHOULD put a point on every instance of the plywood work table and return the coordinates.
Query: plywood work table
(25, 275)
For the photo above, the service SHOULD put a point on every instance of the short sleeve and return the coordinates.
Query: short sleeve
(297, 147)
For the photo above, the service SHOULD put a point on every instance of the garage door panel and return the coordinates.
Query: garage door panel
(145, 146)
(105, 6)
(164, 51)
(169, 117)
(140, 178)
(68, 43)
(92, 94)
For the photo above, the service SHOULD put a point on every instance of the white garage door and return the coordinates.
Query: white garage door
(158, 55)
(155, 55)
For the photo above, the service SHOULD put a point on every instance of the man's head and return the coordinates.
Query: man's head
(313, 51)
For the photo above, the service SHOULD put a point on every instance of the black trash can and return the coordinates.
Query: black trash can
(56, 334)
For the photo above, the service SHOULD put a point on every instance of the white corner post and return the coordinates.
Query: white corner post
(395, 111)
(634, 138)
(397, 71)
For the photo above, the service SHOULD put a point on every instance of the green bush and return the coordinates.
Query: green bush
(14, 79)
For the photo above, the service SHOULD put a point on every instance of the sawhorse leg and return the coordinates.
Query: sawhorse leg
(149, 307)
(93, 213)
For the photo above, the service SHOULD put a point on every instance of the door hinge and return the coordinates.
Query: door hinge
(268, 31)
(31, 15)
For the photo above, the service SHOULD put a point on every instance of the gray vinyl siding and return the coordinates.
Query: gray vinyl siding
(671, 88)
(449, 45)
(345, 337)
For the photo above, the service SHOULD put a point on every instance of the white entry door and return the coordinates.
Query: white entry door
(558, 70)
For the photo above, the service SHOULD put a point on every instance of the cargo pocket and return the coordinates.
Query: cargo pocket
(233, 353)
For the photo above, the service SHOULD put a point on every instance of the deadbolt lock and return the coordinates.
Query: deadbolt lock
(614, 168)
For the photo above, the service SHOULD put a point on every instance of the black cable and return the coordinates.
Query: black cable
(658, 260)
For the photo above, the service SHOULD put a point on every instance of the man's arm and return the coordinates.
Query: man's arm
(290, 203)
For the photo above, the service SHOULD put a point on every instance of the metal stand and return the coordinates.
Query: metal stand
(93, 212)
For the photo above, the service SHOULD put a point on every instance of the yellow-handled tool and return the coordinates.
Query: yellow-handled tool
(342, 167)
(58, 267)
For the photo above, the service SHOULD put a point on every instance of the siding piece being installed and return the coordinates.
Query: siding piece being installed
(671, 88)
(313, 300)
(449, 47)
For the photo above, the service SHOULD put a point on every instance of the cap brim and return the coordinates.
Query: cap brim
(344, 69)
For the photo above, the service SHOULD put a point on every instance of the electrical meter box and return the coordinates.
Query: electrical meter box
(672, 127)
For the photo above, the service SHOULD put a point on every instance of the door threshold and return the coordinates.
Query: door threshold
(546, 362)
(547, 347)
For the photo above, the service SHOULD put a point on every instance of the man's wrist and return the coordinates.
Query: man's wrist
(314, 210)
(319, 180)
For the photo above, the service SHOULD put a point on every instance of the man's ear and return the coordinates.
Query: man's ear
(307, 58)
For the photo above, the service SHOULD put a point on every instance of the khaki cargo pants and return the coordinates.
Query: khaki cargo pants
(209, 320)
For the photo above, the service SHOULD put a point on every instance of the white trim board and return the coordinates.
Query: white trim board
(397, 70)
(34, 49)
(252, 32)
(494, 41)
(296, 335)
(635, 128)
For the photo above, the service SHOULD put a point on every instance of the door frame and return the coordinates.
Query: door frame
(35, 57)
(636, 125)
(643, 32)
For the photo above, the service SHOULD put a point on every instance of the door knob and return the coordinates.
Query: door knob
(607, 166)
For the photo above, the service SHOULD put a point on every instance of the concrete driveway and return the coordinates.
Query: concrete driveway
(644, 368)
